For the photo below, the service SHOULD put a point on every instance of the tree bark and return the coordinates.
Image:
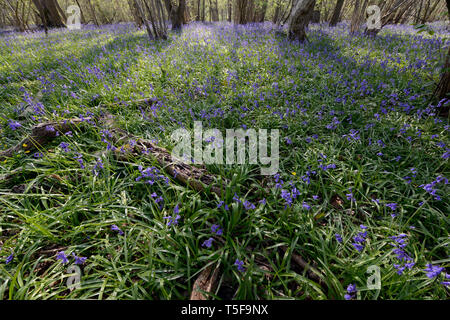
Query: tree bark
(357, 16)
(49, 13)
(336, 13)
(443, 88)
(300, 18)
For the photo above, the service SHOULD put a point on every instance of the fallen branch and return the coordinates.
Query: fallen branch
(42, 134)
(197, 178)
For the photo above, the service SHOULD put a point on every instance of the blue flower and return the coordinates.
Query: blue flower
(78, 260)
(172, 221)
(215, 229)
(351, 292)
(62, 256)
(433, 271)
(208, 243)
(116, 228)
(14, 125)
(240, 265)
(9, 258)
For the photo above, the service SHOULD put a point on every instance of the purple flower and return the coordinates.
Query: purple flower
(222, 203)
(64, 146)
(215, 229)
(350, 196)
(97, 167)
(116, 228)
(9, 258)
(433, 271)
(393, 206)
(306, 206)
(14, 125)
(62, 256)
(172, 221)
(338, 237)
(351, 292)
(240, 265)
(208, 243)
(176, 210)
(358, 247)
(248, 205)
(78, 260)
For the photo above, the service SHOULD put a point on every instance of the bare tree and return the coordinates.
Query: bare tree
(299, 19)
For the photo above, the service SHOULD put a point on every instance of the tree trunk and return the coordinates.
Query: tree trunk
(443, 89)
(187, 14)
(336, 13)
(49, 14)
(299, 19)
(176, 13)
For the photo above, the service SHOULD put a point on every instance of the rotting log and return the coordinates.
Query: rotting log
(42, 134)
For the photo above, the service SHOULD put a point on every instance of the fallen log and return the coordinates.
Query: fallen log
(41, 134)
(197, 178)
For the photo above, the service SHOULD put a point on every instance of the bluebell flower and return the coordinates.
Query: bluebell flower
(78, 260)
(9, 258)
(14, 125)
(62, 256)
(240, 265)
(172, 221)
(433, 271)
(116, 228)
(208, 243)
(215, 228)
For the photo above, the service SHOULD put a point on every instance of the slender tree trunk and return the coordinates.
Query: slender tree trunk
(144, 19)
(336, 13)
(203, 11)
(94, 16)
(83, 19)
(199, 17)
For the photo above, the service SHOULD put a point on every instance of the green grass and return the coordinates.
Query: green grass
(226, 77)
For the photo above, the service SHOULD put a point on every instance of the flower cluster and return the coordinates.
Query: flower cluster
(405, 261)
(360, 239)
(151, 175)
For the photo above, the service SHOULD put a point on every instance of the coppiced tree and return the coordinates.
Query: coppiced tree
(152, 14)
